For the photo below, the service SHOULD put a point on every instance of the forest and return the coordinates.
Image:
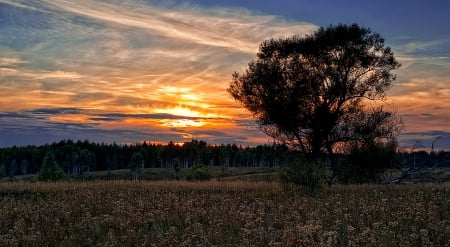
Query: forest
(83, 156)
(75, 158)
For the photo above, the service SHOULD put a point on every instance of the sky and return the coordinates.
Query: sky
(157, 71)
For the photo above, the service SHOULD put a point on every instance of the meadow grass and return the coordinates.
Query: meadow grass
(221, 213)
(220, 172)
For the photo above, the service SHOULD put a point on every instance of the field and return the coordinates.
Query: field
(222, 173)
(221, 213)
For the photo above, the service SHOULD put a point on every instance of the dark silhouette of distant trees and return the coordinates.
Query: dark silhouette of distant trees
(312, 93)
(196, 153)
(74, 158)
(2, 171)
(13, 168)
(24, 166)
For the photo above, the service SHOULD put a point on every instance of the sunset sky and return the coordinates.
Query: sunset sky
(157, 71)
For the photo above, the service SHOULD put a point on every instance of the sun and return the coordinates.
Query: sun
(184, 117)
(180, 111)
(182, 123)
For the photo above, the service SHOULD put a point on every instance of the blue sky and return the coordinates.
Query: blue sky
(129, 71)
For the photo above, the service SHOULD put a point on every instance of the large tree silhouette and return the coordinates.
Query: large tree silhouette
(314, 92)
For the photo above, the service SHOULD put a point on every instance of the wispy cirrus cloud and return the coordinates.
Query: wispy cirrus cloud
(188, 24)
(412, 46)
(60, 74)
(421, 95)
(131, 65)
(11, 61)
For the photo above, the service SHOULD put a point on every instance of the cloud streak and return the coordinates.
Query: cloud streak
(188, 24)
(128, 65)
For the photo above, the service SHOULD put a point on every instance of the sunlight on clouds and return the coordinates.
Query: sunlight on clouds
(182, 123)
(11, 61)
(193, 118)
(172, 90)
(179, 111)
(186, 24)
(7, 71)
(60, 74)
(178, 60)
(423, 105)
(419, 46)
(138, 122)
(70, 118)
(421, 94)
(138, 59)
(434, 69)
(184, 96)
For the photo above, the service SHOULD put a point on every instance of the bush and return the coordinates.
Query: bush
(365, 164)
(198, 172)
(305, 176)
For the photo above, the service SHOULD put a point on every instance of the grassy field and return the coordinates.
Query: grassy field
(221, 213)
(219, 172)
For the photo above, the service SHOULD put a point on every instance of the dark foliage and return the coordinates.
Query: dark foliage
(312, 94)
(365, 163)
(50, 171)
(2, 171)
(305, 176)
(309, 92)
(199, 172)
(78, 157)
(136, 164)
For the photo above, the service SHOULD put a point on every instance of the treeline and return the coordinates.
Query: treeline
(83, 156)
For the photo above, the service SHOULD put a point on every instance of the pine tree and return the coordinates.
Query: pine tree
(50, 171)
(13, 169)
(2, 171)
(24, 167)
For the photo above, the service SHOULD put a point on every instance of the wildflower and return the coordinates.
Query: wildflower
(289, 240)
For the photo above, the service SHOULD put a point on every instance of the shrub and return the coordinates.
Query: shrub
(364, 164)
(199, 172)
(303, 175)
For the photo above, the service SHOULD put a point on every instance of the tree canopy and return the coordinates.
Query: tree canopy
(136, 164)
(312, 92)
(50, 171)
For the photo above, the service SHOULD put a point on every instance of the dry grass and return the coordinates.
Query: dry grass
(124, 213)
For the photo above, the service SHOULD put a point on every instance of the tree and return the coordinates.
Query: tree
(86, 160)
(24, 166)
(111, 161)
(13, 169)
(2, 171)
(136, 164)
(50, 171)
(312, 92)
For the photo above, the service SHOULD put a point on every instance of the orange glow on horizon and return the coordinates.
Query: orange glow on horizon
(70, 118)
